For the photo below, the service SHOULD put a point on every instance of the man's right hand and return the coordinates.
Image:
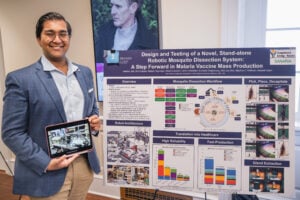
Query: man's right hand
(61, 162)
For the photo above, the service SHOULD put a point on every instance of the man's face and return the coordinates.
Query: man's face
(122, 13)
(54, 40)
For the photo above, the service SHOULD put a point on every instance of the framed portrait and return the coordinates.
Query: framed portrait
(122, 25)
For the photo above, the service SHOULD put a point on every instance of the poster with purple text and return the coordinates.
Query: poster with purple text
(201, 120)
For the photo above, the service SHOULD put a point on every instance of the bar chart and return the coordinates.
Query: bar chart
(219, 168)
(170, 164)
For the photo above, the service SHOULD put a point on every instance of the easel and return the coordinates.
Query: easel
(7, 165)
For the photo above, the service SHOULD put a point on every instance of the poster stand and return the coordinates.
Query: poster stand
(6, 163)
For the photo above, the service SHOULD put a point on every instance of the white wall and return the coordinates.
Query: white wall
(190, 24)
(4, 151)
(18, 19)
(183, 24)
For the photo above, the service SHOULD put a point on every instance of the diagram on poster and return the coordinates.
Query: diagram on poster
(215, 107)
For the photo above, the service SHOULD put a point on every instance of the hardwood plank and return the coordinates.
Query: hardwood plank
(6, 187)
(6, 190)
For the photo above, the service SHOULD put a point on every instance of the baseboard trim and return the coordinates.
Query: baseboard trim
(104, 195)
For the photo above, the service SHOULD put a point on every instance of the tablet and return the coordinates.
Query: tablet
(69, 138)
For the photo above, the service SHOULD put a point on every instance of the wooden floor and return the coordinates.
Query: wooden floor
(6, 190)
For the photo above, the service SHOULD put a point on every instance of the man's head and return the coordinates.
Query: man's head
(123, 12)
(53, 34)
(50, 16)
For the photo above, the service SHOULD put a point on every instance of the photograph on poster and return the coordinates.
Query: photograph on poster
(128, 146)
(283, 112)
(122, 25)
(265, 149)
(283, 130)
(251, 93)
(265, 112)
(280, 93)
(265, 130)
(128, 175)
(266, 179)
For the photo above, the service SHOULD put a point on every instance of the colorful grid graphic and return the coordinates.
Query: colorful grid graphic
(170, 96)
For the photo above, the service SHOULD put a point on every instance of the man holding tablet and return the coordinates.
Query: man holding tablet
(52, 90)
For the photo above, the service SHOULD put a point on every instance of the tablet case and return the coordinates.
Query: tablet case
(69, 138)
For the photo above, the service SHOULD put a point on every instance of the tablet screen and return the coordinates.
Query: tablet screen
(69, 138)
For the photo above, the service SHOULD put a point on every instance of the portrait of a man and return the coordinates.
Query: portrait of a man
(124, 25)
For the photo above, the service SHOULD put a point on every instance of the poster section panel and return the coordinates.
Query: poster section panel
(201, 119)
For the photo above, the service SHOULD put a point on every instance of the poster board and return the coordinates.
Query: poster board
(201, 120)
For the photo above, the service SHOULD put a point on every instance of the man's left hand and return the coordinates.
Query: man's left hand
(95, 123)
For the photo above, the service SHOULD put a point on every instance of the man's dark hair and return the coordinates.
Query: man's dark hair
(139, 3)
(50, 16)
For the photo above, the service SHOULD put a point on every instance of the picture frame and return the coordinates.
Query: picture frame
(107, 21)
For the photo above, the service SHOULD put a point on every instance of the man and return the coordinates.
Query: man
(126, 30)
(50, 91)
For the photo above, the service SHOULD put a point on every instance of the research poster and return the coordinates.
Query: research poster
(201, 119)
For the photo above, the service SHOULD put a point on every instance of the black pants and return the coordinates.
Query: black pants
(244, 197)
